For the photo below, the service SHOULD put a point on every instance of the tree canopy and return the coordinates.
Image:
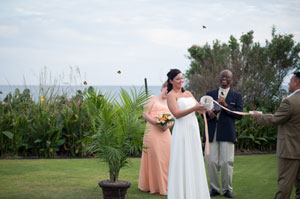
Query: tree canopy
(258, 70)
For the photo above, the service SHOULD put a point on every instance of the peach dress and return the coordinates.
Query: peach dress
(155, 158)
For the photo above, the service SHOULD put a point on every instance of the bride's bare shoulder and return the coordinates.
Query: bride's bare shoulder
(171, 95)
(188, 93)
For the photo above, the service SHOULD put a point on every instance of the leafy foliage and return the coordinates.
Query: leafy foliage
(258, 73)
(119, 127)
(258, 70)
(56, 125)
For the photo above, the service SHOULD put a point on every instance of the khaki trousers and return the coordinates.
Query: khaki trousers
(220, 159)
(288, 175)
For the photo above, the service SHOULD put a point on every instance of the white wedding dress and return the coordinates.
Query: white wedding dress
(187, 177)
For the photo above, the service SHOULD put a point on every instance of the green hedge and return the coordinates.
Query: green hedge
(58, 126)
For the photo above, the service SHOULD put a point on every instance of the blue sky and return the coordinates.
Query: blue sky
(142, 38)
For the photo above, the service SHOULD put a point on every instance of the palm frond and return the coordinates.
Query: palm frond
(120, 127)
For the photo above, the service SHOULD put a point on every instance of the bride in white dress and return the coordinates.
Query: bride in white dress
(187, 177)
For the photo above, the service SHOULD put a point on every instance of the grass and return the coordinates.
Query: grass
(254, 177)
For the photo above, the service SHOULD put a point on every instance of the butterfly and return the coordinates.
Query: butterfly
(119, 72)
(203, 26)
(85, 83)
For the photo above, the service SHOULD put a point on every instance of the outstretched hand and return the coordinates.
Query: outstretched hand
(255, 113)
(200, 109)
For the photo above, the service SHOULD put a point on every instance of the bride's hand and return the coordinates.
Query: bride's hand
(200, 109)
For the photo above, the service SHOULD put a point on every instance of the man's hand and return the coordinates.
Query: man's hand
(255, 113)
(211, 114)
(221, 101)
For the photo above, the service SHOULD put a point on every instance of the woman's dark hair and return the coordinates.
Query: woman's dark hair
(297, 74)
(171, 74)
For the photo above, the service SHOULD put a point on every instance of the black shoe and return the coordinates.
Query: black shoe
(228, 194)
(213, 193)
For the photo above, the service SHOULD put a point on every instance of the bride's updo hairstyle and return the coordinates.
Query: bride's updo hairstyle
(171, 75)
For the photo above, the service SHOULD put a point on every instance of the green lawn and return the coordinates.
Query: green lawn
(254, 177)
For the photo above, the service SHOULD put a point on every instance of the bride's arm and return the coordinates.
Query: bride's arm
(173, 107)
(201, 111)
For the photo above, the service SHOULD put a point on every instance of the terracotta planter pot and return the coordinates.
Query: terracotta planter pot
(114, 190)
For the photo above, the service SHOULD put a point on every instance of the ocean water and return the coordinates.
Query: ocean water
(70, 91)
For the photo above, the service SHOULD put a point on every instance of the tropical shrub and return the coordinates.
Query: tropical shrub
(118, 126)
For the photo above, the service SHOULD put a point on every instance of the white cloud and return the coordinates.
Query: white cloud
(8, 30)
(143, 38)
(168, 36)
(25, 12)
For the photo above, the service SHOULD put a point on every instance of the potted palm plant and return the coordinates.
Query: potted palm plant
(119, 127)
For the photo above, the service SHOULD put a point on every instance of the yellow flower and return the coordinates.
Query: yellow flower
(42, 99)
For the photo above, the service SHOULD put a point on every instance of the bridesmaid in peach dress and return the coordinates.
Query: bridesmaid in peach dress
(154, 168)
